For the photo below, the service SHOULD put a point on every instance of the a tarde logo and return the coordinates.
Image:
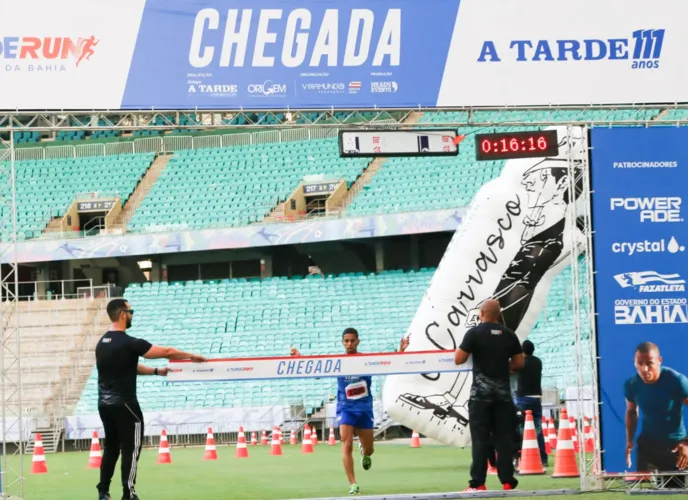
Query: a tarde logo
(216, 89)
(643, 49)
(46, 53)
(658, 209)
(651, 281)
(648, 246)
(650, 311)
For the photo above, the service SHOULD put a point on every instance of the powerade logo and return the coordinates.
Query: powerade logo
(40, 51)
(643, 49)
(658, 209)
(267, 89)
(650, 311)
(309, 367)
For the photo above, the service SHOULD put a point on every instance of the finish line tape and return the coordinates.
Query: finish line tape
(339, 365)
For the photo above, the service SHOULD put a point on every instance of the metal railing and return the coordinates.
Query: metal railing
(172, 143)
(60, 290)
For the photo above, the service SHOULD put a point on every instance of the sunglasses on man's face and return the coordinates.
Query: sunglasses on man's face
(130, 311)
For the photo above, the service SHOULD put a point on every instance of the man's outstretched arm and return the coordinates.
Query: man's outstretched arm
(149, 370)
(159, 352)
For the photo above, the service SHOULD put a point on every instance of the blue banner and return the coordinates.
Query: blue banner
(639, 183)
(275, 54)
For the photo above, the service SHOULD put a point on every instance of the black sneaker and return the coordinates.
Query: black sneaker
(135, 497)
(104, 496)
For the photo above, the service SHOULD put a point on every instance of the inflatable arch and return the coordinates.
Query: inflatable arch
(514, 240)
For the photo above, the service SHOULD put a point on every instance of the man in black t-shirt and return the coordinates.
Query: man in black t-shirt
(529, 393)
(496, 353)
(117, 362)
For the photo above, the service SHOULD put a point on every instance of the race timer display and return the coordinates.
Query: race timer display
(506, 145)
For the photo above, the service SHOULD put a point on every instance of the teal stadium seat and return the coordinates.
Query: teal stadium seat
(242, 318)
(236, 186)
(46, 188)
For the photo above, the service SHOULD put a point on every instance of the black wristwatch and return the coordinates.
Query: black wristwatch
(155, 371)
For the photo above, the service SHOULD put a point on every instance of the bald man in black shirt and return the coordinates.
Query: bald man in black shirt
(496, 352)
(117, 362)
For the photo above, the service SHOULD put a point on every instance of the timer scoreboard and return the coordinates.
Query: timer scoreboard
(372, 143)
(507, 145)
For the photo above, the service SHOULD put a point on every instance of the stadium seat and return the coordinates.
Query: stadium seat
(46, 188)
(243, 318)
(236, 186)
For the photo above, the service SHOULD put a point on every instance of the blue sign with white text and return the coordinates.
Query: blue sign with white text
(640, 185)
(223, 53)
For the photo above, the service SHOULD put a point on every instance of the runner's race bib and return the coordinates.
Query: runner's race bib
(357, 390)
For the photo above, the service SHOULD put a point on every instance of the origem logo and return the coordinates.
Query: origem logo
(643, 48)
(47, 49)
(268, 89)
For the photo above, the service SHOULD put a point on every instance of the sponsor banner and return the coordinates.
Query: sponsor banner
(640, 187)
(222, 54)
(218, 370)
(515, 239)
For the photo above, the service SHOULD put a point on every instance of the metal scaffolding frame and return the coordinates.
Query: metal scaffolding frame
(12, 122)
(13, 431)
(210, 119)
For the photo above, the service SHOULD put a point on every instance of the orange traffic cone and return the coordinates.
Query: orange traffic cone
(281, 436)
(531, 462)
(164, 456)
(589, 437)
(275, 446)
(254, 439)
(415, 440)
(565, 464)
(553, 433)
(38, 463)
(94, 458)
(331, 441)
(242, 451)
(264, 439)
(292, 438)
(307, 445)
(314, 436)
(574, 434)
(210, 448)
(545, 436)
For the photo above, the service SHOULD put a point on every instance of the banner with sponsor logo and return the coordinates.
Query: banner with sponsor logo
(343, 365)
(640, 186)
(515, 239)
(222, 54)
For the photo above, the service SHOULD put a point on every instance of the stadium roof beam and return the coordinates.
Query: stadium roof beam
(210, 119)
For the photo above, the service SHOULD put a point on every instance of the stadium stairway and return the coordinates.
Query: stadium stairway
(57, 338)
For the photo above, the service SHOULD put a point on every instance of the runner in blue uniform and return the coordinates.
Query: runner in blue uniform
(355, 412)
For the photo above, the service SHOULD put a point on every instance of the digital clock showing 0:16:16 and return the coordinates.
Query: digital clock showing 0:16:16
(507, 145)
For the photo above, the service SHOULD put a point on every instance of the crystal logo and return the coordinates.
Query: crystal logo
(658, 209)
(651, 281)
(647, 246)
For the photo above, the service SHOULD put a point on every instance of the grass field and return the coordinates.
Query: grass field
(396, 469)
